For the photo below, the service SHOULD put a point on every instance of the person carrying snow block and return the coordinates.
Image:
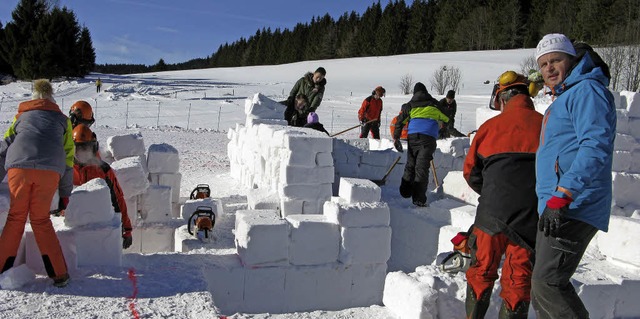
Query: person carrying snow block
(38, 149)
(297, 110)
(448, 106)
(312, 86)
(504, 149)
(371, 110)
(573, 171)
(423, 116)
(314, 123)
(88, 166)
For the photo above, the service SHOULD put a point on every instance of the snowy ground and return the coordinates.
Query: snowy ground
(192, 110)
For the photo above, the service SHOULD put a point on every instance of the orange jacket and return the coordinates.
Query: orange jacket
(370, 110)
(83, 174)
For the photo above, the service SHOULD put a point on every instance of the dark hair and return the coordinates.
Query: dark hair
(303, 97)
(451, 94)
(513, 91)
(321, 70)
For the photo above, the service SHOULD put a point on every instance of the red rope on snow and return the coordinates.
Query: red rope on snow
(132, 298)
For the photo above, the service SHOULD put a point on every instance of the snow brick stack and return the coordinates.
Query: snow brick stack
(626, 159)
(288, 168)
(90, 233)
(328, 261)
(163, 162)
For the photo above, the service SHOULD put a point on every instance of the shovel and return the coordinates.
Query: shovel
(384, 178)
(438, 190)
(351, 128)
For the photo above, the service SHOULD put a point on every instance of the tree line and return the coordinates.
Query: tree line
(45, 41)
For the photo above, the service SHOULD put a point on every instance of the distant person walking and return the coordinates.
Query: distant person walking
(98, 85)
(371, 110)
(38, 148)
(573, 172)
(449, 106)
(423, 117)
(312, 86)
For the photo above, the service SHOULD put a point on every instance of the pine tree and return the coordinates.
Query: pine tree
(420, 28)
(86, 54)
(5, 67)
(366, 38)
(160, 66)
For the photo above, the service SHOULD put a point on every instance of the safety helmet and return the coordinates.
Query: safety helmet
(380, 90)
(82, 134)
(81, 112)
(507, 80)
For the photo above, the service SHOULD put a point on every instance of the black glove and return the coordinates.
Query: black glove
(127, 240)
(551, 220)
(398, 146)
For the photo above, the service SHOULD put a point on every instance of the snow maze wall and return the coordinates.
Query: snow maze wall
(317, 235)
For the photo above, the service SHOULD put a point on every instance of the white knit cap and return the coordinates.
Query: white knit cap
(554, 42)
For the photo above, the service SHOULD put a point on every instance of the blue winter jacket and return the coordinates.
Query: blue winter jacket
(576, 145)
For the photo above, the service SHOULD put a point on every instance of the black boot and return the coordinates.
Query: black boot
(520, 311)
(406, 188)
(477, 306)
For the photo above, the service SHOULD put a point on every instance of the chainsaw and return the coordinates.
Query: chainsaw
(203, 219)
(201, 191)
(460, 258)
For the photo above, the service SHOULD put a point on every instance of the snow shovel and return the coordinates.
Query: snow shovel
(438, 190)
(384, 178)
(351, 128)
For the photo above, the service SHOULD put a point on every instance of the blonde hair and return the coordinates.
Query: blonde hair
(42, 90)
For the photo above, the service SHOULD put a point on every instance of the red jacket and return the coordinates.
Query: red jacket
(83, 174)
(370, 110)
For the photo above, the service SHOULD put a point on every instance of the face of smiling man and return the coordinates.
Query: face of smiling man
(555, 67)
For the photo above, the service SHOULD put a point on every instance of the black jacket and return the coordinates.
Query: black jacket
(448, 109)
(317, 127)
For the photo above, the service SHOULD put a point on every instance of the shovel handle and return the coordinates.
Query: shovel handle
(435, 176)
(351, 128)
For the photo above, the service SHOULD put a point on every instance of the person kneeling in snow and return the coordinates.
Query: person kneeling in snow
(88, 166)
(314, 123)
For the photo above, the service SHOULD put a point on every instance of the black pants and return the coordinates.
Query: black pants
(416, 172)
(552, 294)
(374, 127)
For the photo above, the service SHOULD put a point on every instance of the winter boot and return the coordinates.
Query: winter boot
(406, 188)
(477, 306)
(520, 311)
(61, 281)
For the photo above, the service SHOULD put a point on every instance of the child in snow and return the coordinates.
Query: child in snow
(297, 110)
(313, 122)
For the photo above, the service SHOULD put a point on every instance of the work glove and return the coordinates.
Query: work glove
(398, 145)
(127, 239)
(62, 205)
(553, 215)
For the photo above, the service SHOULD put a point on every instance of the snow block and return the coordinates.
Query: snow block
(191, 205)
(455, 146)
(99, 245)
(359, 190)
(131, 176)
(312, 206)
(319, 287)
(632, 102)
(262, 199)
(634, 127)
(379, 158)
(370, 172)
(306, 192)
(262, 239)
(625, 142)
(324, 159)
(625, 189)
(297, 158)
(296, 175)
(157, 237)
(456, 186)
(16, 277)
(168, 179)
(368, 284)
(290, 206)
(365, 245)
(310, 142)
(132, 207)
(408, 298)
(314, 240)
(262, 107)
(136, 234)
(622, 122)
(128, 145)
(163, 158)
(156, 204)
(362, 214)
(341, 144)
(33, 257)
(252, 122)
(620, 242)
(89, 203)
(225, 282)
(264, 290)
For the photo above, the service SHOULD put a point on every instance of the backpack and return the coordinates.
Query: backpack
(583, 48)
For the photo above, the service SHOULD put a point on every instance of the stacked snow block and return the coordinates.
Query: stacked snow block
(367, 159)
(163, 162)
(90, 233)
(261, 109)
(619, 244)
(288, 168)
(626, 157)
(262, 238)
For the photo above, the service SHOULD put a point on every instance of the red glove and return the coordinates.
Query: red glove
(558, 202)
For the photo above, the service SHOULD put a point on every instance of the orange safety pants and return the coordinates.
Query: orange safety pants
(486, 254)
(31, 192)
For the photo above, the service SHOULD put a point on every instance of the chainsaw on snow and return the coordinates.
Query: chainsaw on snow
(203, 219)
(201, 191)
(460, 259)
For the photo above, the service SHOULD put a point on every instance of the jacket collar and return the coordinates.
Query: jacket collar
(37, 105)
(585, 69)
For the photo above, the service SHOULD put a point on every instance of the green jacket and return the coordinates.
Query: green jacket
(314, 92)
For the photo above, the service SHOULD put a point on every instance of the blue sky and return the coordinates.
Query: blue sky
(143, 31)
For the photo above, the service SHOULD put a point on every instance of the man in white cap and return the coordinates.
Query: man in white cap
(573, 172)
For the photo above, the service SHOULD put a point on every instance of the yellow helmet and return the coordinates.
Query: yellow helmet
(507, 80)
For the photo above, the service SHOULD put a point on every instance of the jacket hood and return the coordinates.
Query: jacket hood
(585, 69)
(422, 97)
